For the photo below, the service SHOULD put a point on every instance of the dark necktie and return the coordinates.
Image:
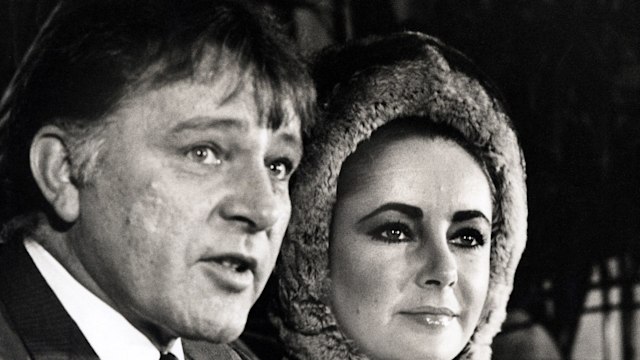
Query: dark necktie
(168, 356)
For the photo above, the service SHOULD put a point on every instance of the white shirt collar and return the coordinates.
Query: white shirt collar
(110, 335)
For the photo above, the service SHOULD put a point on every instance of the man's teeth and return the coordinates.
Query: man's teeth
(235, 265)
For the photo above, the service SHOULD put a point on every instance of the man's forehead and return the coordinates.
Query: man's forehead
(231, 78)
(290, 131)
(196, 106)
(289, 117)
(230, 91)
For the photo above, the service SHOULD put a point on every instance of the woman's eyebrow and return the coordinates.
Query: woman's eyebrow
(469, 215)
(411, 211)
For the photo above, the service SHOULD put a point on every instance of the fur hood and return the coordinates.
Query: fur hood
(361, 87)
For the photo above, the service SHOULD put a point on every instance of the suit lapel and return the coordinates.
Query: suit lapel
(46, 329)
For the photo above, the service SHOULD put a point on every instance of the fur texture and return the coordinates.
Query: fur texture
(361, 87)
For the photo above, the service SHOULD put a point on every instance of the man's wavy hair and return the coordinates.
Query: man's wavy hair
(89, 55)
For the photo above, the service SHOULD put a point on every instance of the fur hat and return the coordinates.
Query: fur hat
(361, 87)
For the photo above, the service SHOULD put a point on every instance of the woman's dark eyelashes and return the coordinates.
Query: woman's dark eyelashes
(468, 238)
(392, 232)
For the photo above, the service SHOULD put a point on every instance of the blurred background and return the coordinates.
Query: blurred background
(570, 71)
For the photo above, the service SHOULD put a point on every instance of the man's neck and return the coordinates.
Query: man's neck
(59, 246)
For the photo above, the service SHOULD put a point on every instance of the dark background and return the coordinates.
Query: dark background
(570, 71)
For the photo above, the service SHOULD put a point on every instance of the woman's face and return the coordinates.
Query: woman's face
(411, 238)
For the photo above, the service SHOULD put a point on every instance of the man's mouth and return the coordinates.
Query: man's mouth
(237, 263)
(234, 272)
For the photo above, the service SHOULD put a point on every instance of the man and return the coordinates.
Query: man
(145, 153)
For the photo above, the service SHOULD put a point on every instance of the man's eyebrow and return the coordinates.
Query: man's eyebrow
(409, 210)
(291, 139)
(202, 123)
(465, 215)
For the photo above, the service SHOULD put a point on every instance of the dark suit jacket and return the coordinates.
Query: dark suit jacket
(34, 325)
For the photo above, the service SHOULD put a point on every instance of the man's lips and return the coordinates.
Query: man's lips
(236, 262)
(234, 272)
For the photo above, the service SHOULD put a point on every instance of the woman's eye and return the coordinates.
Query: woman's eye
(204, 155)
(280, 169)
(392, 233)
(468, 238)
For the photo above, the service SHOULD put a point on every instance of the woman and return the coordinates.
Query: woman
(409, 211)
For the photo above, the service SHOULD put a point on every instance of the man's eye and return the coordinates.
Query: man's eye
(469, 238)
(392, 233)
(280, 169)
(205, 155)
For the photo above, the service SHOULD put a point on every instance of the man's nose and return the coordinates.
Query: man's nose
(253, 202)
(440, 267)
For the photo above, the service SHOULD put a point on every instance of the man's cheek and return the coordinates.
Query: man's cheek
(157, 226)
(158, 207)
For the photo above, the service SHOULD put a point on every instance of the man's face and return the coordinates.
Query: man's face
(181, 226)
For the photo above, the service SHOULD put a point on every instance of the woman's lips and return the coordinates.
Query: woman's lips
(431, 316)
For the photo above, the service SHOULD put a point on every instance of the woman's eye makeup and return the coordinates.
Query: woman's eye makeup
(468, 238)
(392, 232)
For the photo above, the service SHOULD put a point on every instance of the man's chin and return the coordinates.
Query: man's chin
(217, 332)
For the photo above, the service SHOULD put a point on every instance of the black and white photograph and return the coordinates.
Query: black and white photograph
(319, 179)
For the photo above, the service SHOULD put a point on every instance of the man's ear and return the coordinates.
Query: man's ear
(51, 169)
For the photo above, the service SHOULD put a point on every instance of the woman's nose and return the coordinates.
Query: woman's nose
(253, 202)
(439, 267)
